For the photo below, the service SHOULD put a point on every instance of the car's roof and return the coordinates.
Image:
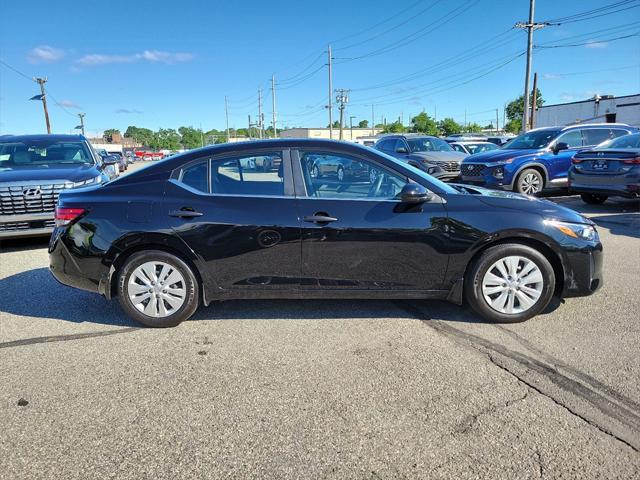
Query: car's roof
(562, 128)
(41, 137)
(474, 142)
(407, 135)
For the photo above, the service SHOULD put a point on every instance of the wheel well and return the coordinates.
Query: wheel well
(122, 258)
(538, 168)
(549, 254)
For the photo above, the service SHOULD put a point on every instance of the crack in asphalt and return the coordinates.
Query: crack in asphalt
(621, 414)
(64, 338)
(468, 423)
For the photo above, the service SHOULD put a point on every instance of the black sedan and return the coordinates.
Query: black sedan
(198, 227)
(610, 170)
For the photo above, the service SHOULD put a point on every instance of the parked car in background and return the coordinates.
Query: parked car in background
(501, 140)
(34, 169)
(430, 154)
(612, 169)
(471, 148)
(326, 166)
(195, 229)
(122, 162)
(112, 168)
(466, 137)
(538, 159)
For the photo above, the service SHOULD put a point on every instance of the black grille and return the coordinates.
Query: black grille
(23, 199)
(450, 166)
(472, 169)
(18, 226)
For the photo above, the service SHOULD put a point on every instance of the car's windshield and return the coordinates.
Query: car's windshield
(533, 140)
(43, 153)
(626, 141)
(428, 144)
(480, 147)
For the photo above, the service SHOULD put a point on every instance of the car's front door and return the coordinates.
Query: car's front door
(241, 220)
(558, 163)
(357, 235)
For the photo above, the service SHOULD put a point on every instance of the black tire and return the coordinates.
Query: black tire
(192, 299)
(526, 179)
(477, 271)
(593, 198)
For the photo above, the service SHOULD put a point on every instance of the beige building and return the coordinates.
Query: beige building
(347, 133)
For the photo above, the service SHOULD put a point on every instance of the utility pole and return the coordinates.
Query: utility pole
(260, 115)
(497, 123)
(373, 122)
(249, 128)
(534, 101)
(81, 115)
(330, 106)
(273, 106)
(530, 27)
(465, 119)
(41, 82)
(342, 98)
(226, 114)
(351, 125)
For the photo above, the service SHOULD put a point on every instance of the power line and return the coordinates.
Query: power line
(591, 42)
(593, 13)
(16, 71)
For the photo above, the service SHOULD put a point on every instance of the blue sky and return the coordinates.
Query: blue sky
(166, 64)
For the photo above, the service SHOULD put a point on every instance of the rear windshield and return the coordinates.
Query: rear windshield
(626, 141)
(43, 153)
(533, 140)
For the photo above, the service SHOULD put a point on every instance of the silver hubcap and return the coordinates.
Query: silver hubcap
(530, 183)
(512, 285)
(157, 289)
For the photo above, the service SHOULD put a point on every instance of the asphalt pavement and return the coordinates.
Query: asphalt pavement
(321, 389)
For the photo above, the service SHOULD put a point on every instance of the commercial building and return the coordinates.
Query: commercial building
(351, 134)
(605, 109)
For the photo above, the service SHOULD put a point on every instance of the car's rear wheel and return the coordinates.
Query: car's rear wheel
(529, 182)
(593, 198)
(157, 289)
(510, 283)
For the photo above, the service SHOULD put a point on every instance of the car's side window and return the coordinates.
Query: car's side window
(195, 176)
(458, 148)
(401, 146)
(339, 176)
(595, 136)
(573, 139)
(387, 145)
(259, 175)
(616, 132)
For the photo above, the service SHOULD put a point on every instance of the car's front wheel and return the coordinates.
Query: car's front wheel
(529, 182)
(510, 283)
(593, 198)
(157, 289)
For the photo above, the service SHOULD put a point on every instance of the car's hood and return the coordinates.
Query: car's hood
(515, 201)
(499, 155)
(69, 173)
(439, 156)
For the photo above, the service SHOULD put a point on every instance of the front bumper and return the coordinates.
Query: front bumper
(583, 272)
(26, 225)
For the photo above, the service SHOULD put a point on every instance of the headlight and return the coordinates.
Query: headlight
(91, 181)
(575, 230)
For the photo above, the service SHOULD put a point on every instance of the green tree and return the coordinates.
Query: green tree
(143, 136)
(423, 123)
(515, 108)
(336, 124)
(514, 126)
(379, 125)
(363, 124)
(395, 127)
(190, 137)
(109, 133)
(166, 139)
(448, 126)
(472, 127)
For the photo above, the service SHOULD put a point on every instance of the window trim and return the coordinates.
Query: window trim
(285, 155)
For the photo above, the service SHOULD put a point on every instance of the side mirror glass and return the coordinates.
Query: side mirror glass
(110, 160)
(413, 193)
(401, 150)
(560, 146)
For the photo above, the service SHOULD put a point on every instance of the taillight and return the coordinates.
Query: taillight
(66, 215)
(632, 161)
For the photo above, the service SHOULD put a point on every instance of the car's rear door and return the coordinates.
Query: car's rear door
(241, 221)
(357, 235)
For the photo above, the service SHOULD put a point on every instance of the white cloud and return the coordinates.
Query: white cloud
(153, 56)
(594, 44)
(551, 76)
(45, 54)
(127, 110)
(69, 104)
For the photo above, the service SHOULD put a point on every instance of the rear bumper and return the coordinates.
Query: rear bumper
(611, 185)
(63, 265)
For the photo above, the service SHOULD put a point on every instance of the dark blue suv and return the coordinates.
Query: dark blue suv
(537, 159)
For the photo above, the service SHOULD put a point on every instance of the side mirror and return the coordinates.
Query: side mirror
(560, 146)
(401, 150)
(110, 160)
(413, 193)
